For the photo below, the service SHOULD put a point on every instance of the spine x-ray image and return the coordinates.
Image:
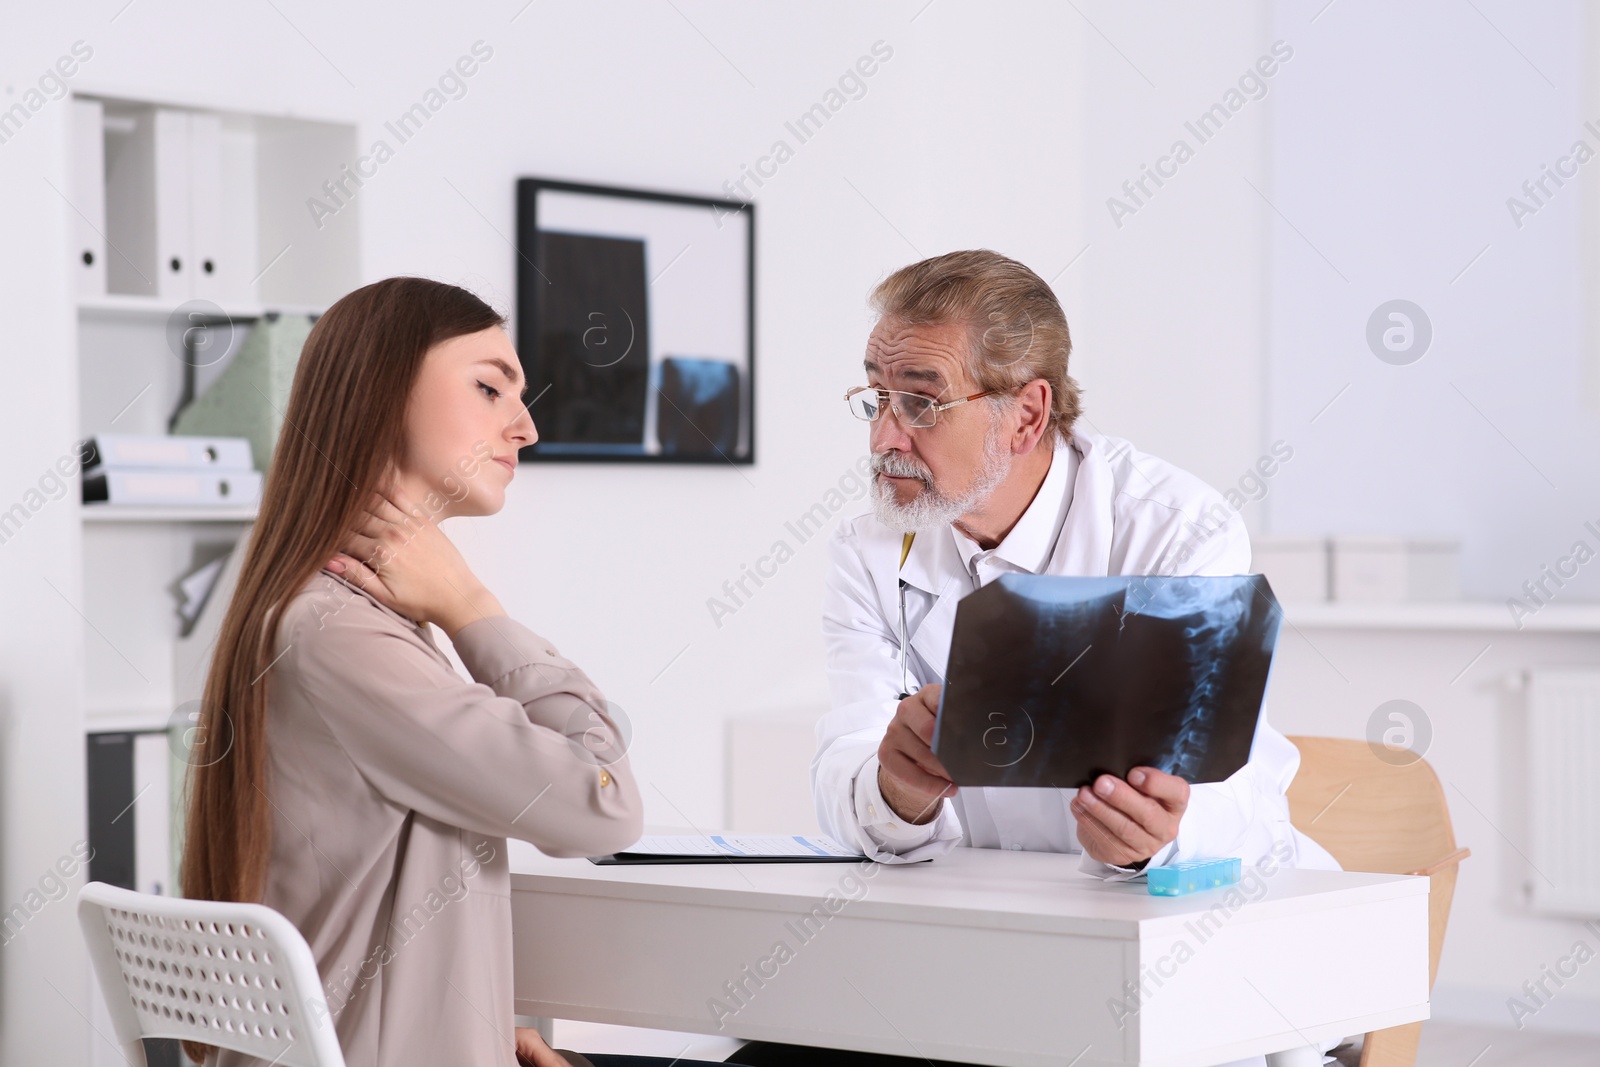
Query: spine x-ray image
(1053, 680)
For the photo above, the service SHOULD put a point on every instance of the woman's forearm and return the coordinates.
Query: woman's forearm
(469, 606)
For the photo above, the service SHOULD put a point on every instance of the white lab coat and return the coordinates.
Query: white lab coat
(1104, 508)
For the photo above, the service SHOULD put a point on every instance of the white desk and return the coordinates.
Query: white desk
(1007, 958)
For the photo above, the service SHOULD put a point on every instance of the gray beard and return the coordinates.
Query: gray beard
(932, 508)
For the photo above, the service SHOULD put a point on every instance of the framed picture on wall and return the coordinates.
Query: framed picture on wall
(636, 324)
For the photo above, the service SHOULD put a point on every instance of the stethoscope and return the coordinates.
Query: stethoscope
(905, 677)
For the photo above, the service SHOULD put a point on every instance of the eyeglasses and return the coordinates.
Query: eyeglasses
(868, 403)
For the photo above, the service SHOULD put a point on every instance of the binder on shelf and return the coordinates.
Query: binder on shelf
(115, 486)
(211, 273)
(173, 268)
(191, 653)
(195, 589)
(88, 191)
(165, 451)
(130, 810)
(131, 842)
(251, 392)
(161, 175)
(129, 149)
(147, 202)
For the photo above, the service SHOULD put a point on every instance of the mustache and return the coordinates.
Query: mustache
(900, 465)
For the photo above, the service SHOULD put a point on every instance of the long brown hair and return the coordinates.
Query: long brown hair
(344, 424)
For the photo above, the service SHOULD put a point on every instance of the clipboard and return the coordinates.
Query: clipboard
(731, 848)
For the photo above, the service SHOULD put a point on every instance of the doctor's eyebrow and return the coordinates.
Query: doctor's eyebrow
(505, 368)
(915, 374)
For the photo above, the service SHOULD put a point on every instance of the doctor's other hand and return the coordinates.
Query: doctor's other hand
(910, 778)
(1124, 822)
(397, 553)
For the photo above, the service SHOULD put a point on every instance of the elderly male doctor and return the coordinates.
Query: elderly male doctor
(977, 455)
(980, 470)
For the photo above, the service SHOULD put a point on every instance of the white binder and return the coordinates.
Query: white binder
(150, 810)
(88, 191)
(173, 268)
(147, 203)
(166, 450)
(152, 814)
(213, 276)
(115, 486)
(130, 201)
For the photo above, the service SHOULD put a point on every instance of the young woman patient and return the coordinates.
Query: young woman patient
(345, 774)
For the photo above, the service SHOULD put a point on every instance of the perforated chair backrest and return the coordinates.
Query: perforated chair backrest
(237, 976)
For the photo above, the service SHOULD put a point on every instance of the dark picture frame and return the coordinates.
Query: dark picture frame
(635, 324)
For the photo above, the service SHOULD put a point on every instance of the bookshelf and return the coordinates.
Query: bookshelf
(172, 209)
(1454, 615)
(132, 514)
(114, 306)
(184, 208)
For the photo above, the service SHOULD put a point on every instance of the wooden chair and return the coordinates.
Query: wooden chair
(1373, 815)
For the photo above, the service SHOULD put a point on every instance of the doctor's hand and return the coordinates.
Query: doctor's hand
(397, 552)
(1124, 822)
(909, 777)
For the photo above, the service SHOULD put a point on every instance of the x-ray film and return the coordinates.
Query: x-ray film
(1053, 680)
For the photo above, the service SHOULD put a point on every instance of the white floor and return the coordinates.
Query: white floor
(1444, 1044)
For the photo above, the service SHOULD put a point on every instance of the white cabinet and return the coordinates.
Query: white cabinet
(174, 204)
(192, 211)
(165, 206)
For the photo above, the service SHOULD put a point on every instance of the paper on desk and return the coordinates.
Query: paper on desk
(737, 845)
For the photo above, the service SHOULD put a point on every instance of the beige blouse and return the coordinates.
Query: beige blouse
(394, 783)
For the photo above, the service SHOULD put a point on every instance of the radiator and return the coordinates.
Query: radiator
(1564, 776)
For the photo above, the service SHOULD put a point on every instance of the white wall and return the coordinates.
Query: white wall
(42, 971)
(1396, 145)
(1170, 326)
(1397, 140)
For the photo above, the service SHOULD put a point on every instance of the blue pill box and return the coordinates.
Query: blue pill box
(1191, 876)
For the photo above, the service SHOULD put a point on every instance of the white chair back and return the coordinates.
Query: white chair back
(237, 976)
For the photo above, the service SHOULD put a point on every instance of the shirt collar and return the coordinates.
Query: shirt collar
(380, 605)
(1031, 542)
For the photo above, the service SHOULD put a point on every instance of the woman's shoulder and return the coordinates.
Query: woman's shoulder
(327, 601)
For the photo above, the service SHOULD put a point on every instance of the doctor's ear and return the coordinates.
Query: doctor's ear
(1033, 405)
